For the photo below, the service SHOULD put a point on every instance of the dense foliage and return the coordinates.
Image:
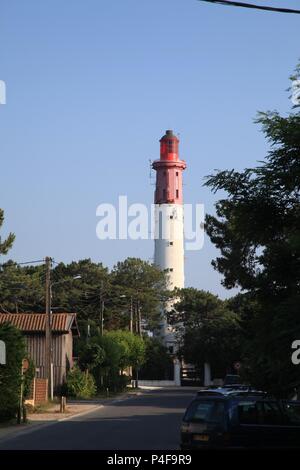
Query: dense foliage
(80, 384)
(207, 329)
(257, 230)
(110, 358)
(5, 245)
(10, 373)
(28, 377)
(158, 363)
(134, 288)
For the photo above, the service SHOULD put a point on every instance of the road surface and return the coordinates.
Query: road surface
(150, 421)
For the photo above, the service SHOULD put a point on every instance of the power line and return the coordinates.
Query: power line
(32, 262)
(55, 262)
(10, 263)
(251, 5)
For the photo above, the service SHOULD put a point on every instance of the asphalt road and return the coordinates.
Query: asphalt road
(150, 421)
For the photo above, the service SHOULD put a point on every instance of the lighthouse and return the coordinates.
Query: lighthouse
(169, 238)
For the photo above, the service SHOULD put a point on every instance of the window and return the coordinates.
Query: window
(205, 412)
(171, 146)
(176, 173)
(247, 413)
(271, 413)
(292, 411)
(171, 217)
(171, 243)
(177, 193)
(171, 270)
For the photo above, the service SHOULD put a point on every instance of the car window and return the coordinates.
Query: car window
(270, 413)
(247, 413)
(292, 411)
(205, 412)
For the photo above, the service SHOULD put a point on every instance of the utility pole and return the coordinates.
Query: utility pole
(101, 310)
(48, 329)
(101, 316)
(131, 315)
(139, 317)
(136, 326)
(139, 332)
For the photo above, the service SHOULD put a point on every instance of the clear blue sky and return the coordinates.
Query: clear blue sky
(91, 87)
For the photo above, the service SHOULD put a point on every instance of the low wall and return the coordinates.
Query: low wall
(157, 383)
(38, 392)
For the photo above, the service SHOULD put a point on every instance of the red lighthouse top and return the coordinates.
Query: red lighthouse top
(169, 171)
(169, 146)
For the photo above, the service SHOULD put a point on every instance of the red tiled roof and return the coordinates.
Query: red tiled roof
(36, 322)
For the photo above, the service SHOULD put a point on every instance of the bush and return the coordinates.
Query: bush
(80, 384)
(109, 355)
(115, 382)
(119, 350)
(10, 373)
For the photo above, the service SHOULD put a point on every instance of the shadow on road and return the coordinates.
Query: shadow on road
(147, 422)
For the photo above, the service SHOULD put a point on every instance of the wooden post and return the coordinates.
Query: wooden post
(48, 335)
(63, 402)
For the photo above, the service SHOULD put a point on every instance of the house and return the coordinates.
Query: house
(64, 328)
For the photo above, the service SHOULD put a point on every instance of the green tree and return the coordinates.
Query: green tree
(210, 331)
(158, 363)
(257, 230)
(83, 295)
(91, 354)
(145, 284)
(132, 285)
(10, 373)
(109, 356)
(107, 372)
(5, 245)
(132, 347)
(22, 288)
(137, 350)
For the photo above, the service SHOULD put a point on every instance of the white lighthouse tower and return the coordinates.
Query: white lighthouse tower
(169, 238)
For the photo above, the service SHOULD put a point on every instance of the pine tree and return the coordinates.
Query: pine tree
(5, 245)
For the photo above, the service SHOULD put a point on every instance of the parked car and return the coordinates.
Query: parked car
(248, 392)
(212, 392)
(242, 390)
(230, 421)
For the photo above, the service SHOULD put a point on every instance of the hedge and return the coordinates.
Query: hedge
(10, 373)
